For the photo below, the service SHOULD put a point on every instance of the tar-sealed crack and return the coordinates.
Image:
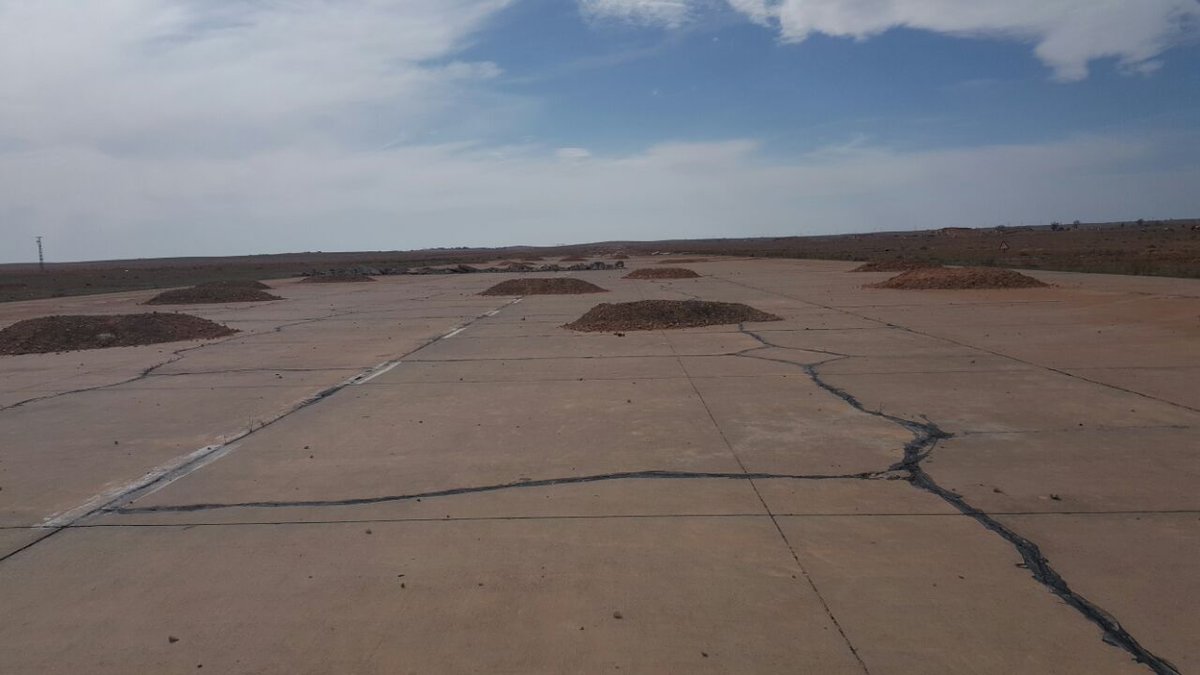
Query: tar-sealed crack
(926, 435)
(498, 487)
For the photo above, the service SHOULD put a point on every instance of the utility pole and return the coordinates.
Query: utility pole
(41, 257)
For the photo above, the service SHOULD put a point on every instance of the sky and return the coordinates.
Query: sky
(148, 128)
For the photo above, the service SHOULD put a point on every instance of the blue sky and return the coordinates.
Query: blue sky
(620, 86)
(136, 128)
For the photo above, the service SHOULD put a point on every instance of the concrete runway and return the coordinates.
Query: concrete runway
(406, 477)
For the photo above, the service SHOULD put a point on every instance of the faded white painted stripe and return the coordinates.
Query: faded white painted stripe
(379, 370)
(171, 471)
(112, 494)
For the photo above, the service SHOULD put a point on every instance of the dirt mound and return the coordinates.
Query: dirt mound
(69, 333)
(893, 266)
(574, 258)
(679, 261)
(336, 279)
(655, 314)
(959, 278)
(620, 256)
(662, 273)
(200, 295)
(557, 286)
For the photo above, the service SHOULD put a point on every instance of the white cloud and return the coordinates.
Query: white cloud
(228, 75)
(1067, 34)
(669, 13)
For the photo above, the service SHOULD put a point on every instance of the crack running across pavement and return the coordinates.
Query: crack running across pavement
(926, 435)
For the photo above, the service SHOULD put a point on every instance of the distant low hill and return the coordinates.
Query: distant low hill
(1162, 248)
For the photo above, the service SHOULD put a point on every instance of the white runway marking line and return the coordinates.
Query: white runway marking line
(171, 471)
(191, 460)
(485, 315)
(376, 372)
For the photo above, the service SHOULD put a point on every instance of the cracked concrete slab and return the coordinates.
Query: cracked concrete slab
(1176, 384)
(890, 342)
(654, 466)
(384, 439)
(60, 466)
(620, 497)
(1139, 567)
(888, 497)
(301, 347)
(798, 428)
(14, 539)
(641, 343)
(919, 365)
(1073, 470)
(497, 596)
(535, 369)
(940, 595)
(1010, 401)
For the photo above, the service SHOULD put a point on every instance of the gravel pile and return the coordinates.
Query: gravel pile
(69, 333)
(662, 273)
(208, 294)
(948, 278)
(556, 286)
(657, 314)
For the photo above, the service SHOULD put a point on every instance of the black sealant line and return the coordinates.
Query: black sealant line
(601, 516)
(517, 485)
(49, 532)
(926, 435)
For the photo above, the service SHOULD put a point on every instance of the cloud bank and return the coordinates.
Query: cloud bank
(229, 76)
(422, 196)
(1067, 34)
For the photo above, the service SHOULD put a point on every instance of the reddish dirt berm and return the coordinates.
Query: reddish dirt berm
(662, 273)
(68, 333)
(948, 278)
(656, 314)
(555, 286)
(204, 295)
